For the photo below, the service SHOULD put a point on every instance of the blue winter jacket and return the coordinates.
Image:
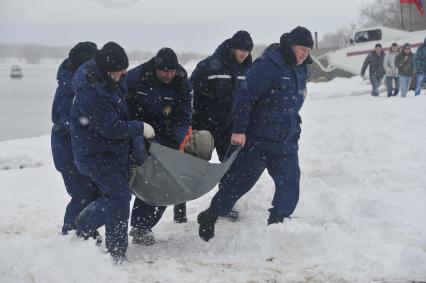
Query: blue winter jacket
(420, 59)
(167, 107)
(214, 81)
(268, 102)
(60, 136)
(100, 128)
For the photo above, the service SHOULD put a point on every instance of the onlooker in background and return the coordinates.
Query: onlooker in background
(404, 63)
(374, 60)
(79, 187)
(420, 67)
(391, 70)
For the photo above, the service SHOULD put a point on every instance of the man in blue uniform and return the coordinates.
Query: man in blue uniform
(214, 82)
(159, 94)
(266, 123)
(79, 187)
(101, 139)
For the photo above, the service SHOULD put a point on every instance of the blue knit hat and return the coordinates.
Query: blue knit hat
(82, 52)
(242, 40)
(301, 36)
(111, 58)
(166, 59)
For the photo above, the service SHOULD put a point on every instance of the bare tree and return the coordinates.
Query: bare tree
(336, 39)
(392, 14)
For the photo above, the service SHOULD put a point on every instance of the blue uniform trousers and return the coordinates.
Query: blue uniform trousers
(247, 169)
(111, 209)
(82, 192)
(80, 188)
(145, 216)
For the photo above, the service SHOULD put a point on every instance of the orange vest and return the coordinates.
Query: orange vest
(185, 139)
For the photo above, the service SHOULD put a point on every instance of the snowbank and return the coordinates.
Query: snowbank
(361, 215)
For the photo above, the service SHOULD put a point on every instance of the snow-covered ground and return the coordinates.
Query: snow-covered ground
(361, 215)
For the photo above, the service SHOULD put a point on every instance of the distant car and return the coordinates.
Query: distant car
(15, 72)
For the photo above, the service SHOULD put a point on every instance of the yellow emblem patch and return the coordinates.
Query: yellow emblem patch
(167, 110)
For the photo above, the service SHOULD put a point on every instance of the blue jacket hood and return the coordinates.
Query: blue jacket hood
(64, 74)
(272, 53)
(80, 80)
(89, 75)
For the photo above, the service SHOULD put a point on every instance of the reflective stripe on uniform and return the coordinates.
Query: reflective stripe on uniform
(219, 77)
(241, 77)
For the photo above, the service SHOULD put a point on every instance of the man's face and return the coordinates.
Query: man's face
(301, 53)
(240, 55)
(166, 76)
(394, 48)
(378, 50)
(116, 76)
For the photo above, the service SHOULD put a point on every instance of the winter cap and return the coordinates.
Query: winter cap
(299, 36)
(286, 50)
(166, 59)
(111, 58)
(82, 52)
(378, 45)
(200, 144)
(242, 40)
(406, 45)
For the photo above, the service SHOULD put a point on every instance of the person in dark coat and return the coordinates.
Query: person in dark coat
(419, 61)
(159, 94)
(375, 60)
(79, 187)
(404, 63)
(266, 123)
(101, 134)
(214, 81)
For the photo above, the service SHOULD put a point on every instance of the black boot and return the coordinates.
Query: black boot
(142, 237)
(206, 220)
(118, 259)
(94, 235)
(179, 211)
(275, 218)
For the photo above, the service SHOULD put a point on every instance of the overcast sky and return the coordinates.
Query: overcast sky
(184, 25)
